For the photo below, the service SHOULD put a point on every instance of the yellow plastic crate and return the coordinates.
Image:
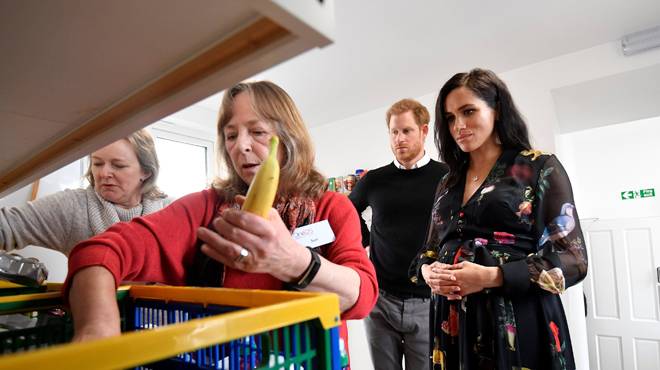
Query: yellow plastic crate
(187, 328)
(9, 288)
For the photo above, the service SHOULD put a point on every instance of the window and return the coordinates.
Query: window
(185, 162)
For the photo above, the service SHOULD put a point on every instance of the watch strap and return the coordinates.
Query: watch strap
(310, 272)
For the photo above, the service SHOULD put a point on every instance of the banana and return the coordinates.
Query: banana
(261, 194)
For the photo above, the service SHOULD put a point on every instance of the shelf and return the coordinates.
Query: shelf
(78, 75)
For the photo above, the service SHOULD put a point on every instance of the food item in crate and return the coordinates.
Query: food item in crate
(262, 191)
(22, 270)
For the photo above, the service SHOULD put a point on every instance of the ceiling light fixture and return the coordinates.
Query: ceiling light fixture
(640, 41)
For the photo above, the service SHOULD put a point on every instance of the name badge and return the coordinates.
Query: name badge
(314, 235)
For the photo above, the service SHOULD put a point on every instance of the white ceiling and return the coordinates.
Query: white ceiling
(387, 50)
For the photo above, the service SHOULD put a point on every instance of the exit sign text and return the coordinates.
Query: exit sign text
(632, 194)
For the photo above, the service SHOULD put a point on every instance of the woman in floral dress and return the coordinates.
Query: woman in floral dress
(504, 238)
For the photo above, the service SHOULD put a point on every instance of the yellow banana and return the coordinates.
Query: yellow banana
(261, 194)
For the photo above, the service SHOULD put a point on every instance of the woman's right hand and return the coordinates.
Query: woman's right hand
(439, 277)
(268, 245)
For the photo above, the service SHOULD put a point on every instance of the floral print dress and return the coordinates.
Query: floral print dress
(522, 219)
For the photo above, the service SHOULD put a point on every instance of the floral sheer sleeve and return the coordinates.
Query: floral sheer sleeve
(561, 260)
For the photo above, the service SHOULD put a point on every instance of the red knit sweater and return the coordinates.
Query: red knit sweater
(160, 247)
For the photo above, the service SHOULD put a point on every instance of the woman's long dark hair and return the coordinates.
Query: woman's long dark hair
(509, 123)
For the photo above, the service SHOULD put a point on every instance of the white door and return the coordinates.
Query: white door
(623, 321)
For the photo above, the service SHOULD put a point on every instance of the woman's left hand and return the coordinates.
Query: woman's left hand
(269, 245)
(473, 278)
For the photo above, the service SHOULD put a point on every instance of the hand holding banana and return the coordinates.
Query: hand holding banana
(268, 245)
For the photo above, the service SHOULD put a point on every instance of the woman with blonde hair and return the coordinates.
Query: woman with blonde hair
(205, 239)
(122, 178)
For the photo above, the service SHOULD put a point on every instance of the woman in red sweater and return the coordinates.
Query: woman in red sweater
(209, 229)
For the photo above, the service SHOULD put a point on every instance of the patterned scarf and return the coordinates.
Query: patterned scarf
(294, 211)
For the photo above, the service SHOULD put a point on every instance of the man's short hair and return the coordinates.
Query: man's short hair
(419, 111)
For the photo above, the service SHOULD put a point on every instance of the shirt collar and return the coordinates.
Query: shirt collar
(421, 163)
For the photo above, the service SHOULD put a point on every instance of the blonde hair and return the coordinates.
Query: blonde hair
(273, 105)
(418, 111)
(145, 150)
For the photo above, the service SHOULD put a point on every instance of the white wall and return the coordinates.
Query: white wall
(608, 160)
(361, 142)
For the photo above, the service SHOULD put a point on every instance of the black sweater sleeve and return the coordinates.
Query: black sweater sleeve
(358, 197)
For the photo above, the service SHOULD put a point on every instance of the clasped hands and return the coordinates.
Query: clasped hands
(461, 279)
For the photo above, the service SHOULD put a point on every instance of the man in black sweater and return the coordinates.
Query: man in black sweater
(400, 195)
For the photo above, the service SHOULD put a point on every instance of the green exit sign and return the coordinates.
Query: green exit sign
(632, 194)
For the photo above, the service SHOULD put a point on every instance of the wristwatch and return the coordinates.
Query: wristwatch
(309, 274)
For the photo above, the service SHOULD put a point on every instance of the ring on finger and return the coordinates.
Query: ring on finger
(242, 254)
